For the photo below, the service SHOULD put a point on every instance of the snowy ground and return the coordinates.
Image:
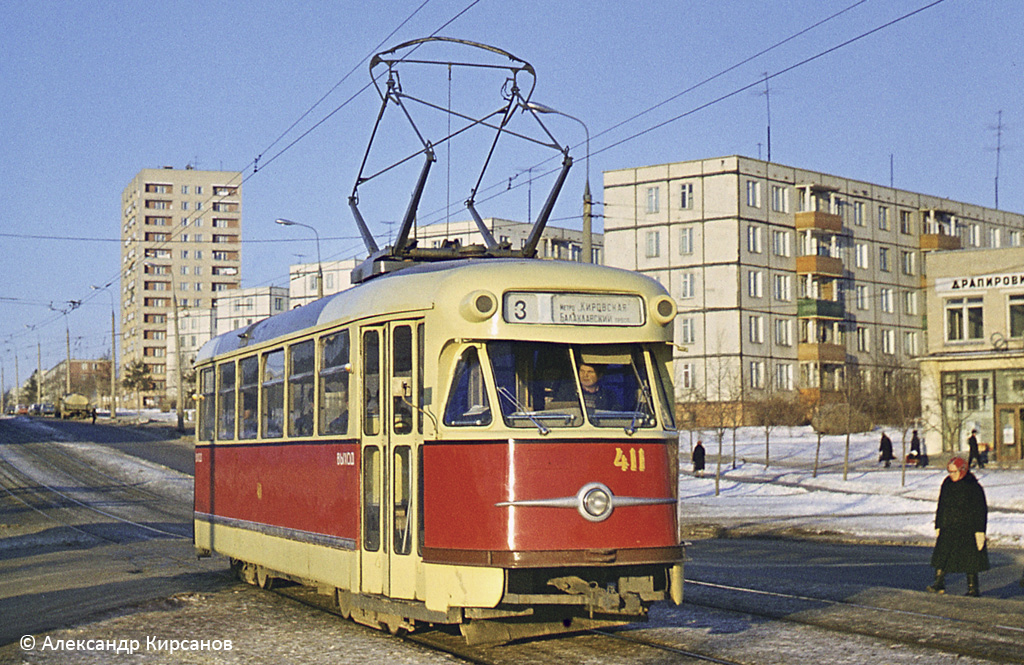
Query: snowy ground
(873, 502)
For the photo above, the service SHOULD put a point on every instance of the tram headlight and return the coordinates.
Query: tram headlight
(663, 310)
(478, 305)
(595, 502)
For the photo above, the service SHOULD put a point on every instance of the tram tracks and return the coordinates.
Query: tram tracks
(72, 493)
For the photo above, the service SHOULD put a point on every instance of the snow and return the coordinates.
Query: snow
(872, 503)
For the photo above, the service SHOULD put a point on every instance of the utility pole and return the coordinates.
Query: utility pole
(113, 367)
(67, 370)
(39, 371)
(588, 242)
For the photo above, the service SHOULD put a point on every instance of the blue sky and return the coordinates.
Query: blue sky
(94, 91)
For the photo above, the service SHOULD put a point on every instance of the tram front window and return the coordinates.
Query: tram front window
(546, 386)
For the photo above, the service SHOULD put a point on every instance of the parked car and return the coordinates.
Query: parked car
(49, 409)
(22, 410)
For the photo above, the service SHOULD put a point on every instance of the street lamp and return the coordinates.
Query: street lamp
(319, 265)
(113, 352)
(587, 200)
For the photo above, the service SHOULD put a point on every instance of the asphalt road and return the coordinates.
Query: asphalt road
(62, 564)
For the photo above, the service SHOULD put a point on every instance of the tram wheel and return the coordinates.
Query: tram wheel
(263, 578)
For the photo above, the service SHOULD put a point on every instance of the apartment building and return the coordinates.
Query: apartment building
(972, 376)
(181, 232)
(786, 278)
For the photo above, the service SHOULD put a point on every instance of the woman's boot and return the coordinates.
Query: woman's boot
(939, 585)
(972, 584)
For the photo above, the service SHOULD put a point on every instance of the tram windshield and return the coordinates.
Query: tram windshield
(544, 386)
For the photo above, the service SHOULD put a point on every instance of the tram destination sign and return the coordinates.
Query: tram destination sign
(574, 309)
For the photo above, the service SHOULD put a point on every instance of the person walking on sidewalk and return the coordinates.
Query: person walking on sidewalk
(960, 521)
(697, 457)
(885, 450)
(972, 450)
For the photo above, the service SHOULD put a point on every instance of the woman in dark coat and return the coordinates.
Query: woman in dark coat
(960, 521)
(697, 457)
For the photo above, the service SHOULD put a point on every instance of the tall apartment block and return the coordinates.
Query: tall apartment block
(181, 233)
(785, 277)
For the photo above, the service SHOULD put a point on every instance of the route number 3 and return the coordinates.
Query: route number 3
(634, 461)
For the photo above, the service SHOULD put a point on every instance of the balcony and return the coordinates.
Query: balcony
(820, 221)
(820, 309)
(819, 265)
(823, 353)
(930, 241)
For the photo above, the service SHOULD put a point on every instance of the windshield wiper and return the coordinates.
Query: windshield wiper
(521, 410)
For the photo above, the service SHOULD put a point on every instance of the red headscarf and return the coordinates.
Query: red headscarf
(959, 463)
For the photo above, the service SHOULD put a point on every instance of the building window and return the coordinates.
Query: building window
(858, 213)
(784, 376)
(687, 330)
(883, 218)
(1017, 316)
(756, 373)
(686, 240)
(783, 332)
(686, 196)
(1015, 237)
(964, 319)
(686, 375)
(862, 296)
(883, 259)
(885, 298)
(780, 198)
(652, 199)
(910, 302)
(782, 286)
(756, 326)
(687, 285)
(889, 341)
(910, 343)
(755, 284)
(753, 193)
(653, 244)
(860, 255)
(754, 239)
(863, 340)
(906, 222)
(907, 262)
(994, 238)
(781, 243)
(974, 235)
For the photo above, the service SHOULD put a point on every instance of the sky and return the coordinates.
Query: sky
(92, 92)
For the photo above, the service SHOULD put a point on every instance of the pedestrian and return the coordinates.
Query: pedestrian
(93, 413)
(915, 444)
(885, 450)
(698, 459)
(972, 450)
(960, 521)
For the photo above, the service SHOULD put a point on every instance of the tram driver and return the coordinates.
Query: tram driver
(595, 396)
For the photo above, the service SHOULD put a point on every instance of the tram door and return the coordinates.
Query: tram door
(1008, 435)
(390, 421)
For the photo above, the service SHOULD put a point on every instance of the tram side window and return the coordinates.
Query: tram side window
(273, 394)
(371, 498)
(300, 389)
(467, 400)
(207, 386)
(334, 373)
(249, 397)
(402, 521)
(226, 403)
(371, 382)
(401, 342)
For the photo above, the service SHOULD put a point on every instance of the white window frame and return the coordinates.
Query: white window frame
(781, 244)
(653, 244)
(686, 240)
(754, 245)
(687, 330)
(782, 286)
(686, 196)
(780, 198)
(784, 376)
(755, 325)
(687, 285)
(754, 193)
(755, 284)
(783, 332)
(653, 200)
(757, 374)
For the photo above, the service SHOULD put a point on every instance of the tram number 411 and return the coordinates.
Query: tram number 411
(633, 461)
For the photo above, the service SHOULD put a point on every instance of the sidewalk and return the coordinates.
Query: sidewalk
(871, 503)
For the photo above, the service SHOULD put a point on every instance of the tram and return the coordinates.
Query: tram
(476, 438)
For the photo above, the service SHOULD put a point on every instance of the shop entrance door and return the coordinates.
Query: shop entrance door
(1008, 433)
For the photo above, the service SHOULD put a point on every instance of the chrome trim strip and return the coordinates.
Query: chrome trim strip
(321, 539)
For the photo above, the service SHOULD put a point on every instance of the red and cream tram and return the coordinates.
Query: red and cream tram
(426, 447)
(486, 441)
